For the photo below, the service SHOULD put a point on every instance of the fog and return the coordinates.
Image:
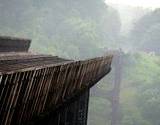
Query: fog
(89, 28)
(151, 4)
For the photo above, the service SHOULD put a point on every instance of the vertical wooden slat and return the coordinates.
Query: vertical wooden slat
(2, 86)
(48, 88)
(29, 97)
(77, 73)
(54, 88)
(60, 81)
(15, 118)
(57, 85)
(12, 100)
(42, 91)
(32, 97)
(4, 94)
(29, 85)
(8, 94)
(45, 89)
(39, 87)
(64, 81)
(72, 77)
(20, 82)
(67, 81)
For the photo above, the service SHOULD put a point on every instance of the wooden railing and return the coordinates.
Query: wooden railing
(29, 93)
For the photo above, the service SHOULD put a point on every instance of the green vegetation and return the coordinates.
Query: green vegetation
(87, 28)
(62, 27)
(139, 97)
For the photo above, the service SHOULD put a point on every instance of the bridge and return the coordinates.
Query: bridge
(44, 89)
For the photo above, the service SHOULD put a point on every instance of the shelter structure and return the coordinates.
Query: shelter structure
(44, 89)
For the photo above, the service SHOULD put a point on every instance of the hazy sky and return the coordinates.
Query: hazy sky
(143, 3)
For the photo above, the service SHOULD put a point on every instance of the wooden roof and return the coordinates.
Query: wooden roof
(10, 63)
(35, 84)
(13, 44)
(14, 56)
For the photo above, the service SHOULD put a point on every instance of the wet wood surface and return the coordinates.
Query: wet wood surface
(12, 44)
(31, 85)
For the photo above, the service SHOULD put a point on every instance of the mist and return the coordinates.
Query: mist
(90, 28)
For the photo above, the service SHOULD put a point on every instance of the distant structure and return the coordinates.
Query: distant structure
(44, 89)
(114, 94)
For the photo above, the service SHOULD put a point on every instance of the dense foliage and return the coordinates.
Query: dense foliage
(72, 29)
(147, 32)
(139, 96)
(87, 28)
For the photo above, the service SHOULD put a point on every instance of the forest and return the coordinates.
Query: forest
(88, 28)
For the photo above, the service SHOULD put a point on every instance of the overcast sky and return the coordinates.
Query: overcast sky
(143, 3)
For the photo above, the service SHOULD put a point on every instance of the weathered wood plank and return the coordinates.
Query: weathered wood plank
(32, 92)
